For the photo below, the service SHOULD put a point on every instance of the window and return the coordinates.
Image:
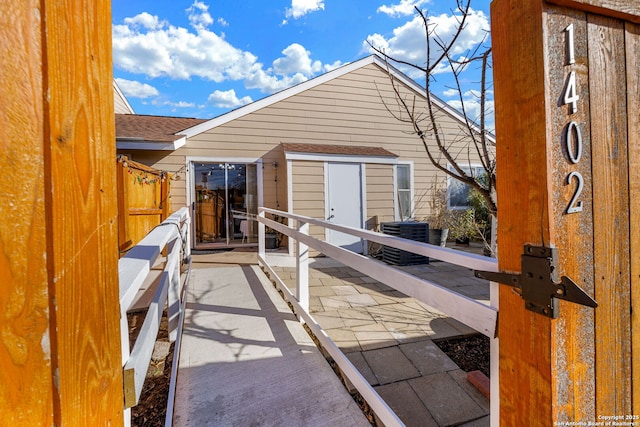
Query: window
(403, 178)
(458, 192)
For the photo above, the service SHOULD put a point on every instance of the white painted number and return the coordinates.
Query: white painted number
(575, 205)
(571, 54)
(573, 138)
(571, 93)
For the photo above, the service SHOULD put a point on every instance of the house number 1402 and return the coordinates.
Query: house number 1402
(572, 134)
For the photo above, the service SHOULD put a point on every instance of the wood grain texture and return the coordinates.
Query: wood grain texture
(82, 211)
(632, 40)
(520, 99)
(622, 9)
(572, 350)
(607, 87)
(25, 355)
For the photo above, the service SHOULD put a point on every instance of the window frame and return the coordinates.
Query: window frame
(477, 167)
(397, 190)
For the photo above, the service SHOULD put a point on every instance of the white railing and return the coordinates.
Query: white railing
(171, 237)
(474, 314)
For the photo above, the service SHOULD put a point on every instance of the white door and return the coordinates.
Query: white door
(344, 202)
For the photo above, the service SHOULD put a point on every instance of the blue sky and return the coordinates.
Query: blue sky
(203, 58)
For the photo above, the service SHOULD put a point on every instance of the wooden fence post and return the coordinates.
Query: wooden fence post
(59, 308)
(566, 95)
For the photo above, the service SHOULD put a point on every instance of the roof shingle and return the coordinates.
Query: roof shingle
(345, 150)
(152, 128)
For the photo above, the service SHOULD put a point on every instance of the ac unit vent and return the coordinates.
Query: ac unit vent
(418, 231)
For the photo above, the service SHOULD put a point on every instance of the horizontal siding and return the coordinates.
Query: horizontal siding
(379, 193)
(308, 193)
(349, 110)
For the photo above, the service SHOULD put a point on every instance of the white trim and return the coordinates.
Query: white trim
(344, 158)
(396, 203)
(325, 172)
(224, 159)
(190, 180)
(151, 145)
(124, 98)
(290, 201)
(363, 205)
(323, 78)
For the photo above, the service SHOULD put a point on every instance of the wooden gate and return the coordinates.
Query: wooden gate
(143, 201)
(567, 95)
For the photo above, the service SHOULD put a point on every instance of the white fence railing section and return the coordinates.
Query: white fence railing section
(170, 238)
(474, 314)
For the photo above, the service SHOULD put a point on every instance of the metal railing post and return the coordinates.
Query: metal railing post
(302, 268)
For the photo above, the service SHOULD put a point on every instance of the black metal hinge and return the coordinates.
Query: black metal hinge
(538, 282)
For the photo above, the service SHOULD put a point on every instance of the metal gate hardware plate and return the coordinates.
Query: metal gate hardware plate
(538, 282)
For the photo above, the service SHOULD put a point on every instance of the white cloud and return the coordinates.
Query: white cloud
(404, 8)
(179, 104)
(227, 99)
(135, 89)
(450, 92)
(146, 45)
(471, 99)
(408, 40)
(144, 20)
(296, 60)
(299, 8)
(199, 16)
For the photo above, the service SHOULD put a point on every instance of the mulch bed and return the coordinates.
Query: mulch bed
(470, 353)
(151, 410)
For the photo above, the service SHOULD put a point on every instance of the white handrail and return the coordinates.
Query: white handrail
(133, 269)
(478, 316)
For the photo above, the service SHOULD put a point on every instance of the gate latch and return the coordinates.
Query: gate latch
(538, 282)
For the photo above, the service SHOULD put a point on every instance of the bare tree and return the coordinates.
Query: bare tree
(443, 149)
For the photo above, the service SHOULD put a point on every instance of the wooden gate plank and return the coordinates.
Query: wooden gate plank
(607, 88)
(572, 343)
(622, 9)
(25, 374)
(82, 211)
(577, 367)
(525, 344)
(632, 40)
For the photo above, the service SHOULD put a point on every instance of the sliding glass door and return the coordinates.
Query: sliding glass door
(226, 204)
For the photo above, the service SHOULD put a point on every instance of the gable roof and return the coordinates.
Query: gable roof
(316, 81)
(140, 132)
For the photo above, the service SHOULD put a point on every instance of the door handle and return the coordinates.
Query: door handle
(330, 217)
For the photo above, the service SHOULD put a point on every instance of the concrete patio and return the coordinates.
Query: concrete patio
(387, 336)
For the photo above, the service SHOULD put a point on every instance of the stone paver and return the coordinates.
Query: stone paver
(373, 336)
(406, 404)
(390, 365)
(388, 338)
(427, 357)
(445, 400)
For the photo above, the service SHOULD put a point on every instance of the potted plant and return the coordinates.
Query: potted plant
(473, 223)
(438, 219)
(273, 238)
